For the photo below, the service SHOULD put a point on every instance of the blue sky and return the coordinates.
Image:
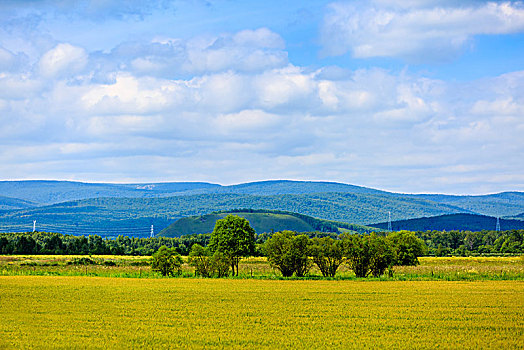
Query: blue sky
(407, 96)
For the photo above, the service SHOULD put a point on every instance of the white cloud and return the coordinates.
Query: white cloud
(431, 31)
(7, 60)
(63, 60)
(231, 108)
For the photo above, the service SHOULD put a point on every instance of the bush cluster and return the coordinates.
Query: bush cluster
(366, 255)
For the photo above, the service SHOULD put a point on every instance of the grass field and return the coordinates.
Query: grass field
(448, 269)
(92, 312)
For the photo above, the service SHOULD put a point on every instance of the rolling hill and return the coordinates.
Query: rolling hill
(125, 214)
(74, 207)
(262, 221)
(500, 204)
(459, 222)
(52, 192)
(8, 203)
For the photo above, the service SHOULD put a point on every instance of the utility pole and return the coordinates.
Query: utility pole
(389, 221)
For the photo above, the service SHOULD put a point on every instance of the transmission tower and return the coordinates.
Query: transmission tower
(152, 232)
(389, 221)
(497, 228)
(34, 225)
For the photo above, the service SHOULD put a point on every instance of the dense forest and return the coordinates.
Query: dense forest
(460, 222)
(439, 243)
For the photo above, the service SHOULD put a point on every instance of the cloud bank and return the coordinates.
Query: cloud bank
(231, 107)
(415, 31)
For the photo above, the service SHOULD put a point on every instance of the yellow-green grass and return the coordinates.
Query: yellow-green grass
(82, 312)
(450, 268)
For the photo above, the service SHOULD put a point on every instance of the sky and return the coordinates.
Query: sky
(414, 96)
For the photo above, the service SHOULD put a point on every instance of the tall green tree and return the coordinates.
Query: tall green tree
(288, 253)
(358, 254)
(407, 247)
(381, 254)
(328, 254)
(200, 258)
(167, 261)
(233, 237)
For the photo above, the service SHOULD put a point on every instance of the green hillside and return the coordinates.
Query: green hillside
(458, 222)
(500, 204)
(125, 214)
(262, 221)
(131, 209)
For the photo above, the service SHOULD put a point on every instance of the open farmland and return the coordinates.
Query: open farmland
(430, 268)
(78, 312)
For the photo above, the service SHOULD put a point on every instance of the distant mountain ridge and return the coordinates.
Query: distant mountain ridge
(70, 206)
(450, 222)
(8, 203)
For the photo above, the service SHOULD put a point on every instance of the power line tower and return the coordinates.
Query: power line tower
(34, 225)
(389, 221)
(152, 232)
(497, 228)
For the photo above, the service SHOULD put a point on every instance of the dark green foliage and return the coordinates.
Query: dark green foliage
(464, 243)
(200, 259)
(220, 264)
(167, 261)
(382, 254)
(358, 254)
(328, 254)
(369, 254)
(406, 247)
(233, 237)
(288, 253)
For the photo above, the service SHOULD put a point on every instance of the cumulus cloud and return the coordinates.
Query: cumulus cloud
(353, 126)
(230, 107)
(425, 31)
(63, 60)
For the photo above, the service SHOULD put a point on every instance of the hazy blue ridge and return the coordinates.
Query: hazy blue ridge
(50, 192)
(8, 203)
(460, 222)
(120, 212)
(499, 204)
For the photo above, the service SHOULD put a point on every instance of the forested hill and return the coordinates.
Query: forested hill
(499, 204)
(459, 222)
(7, 203)
(51, 192)
(276, 187)
(135, 207)
(133, 212)
(262, 221)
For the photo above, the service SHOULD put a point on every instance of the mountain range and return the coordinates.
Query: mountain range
(109, 209)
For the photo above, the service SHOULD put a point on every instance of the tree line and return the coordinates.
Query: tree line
(293, 254)
(468, 243)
